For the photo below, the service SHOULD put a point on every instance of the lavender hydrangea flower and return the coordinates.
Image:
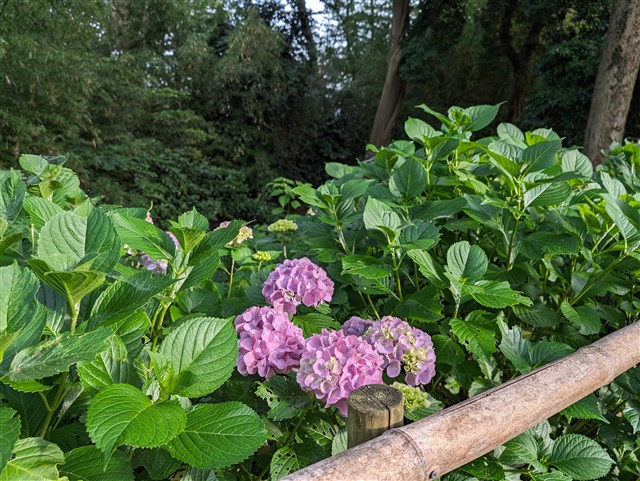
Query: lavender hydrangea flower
(269, 342)
(297, 281)
(158, 266)
(403, 346)
(334, 364)
(244, 233)
(356, 326)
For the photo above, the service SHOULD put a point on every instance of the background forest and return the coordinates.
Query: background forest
(201, 103)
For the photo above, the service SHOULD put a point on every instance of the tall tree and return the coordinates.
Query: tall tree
(617, 74)
(394, 88)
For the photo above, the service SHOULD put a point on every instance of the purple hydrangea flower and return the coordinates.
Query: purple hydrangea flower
(403, 346)
(159, 267)
(297, 281)
(269, 342)
(356, 326)
(334, 364)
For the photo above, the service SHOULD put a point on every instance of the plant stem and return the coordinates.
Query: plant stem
(511, 243)
(75, 312)
(158, 319)
(375, 311)
(396, 270)
(57, 400)
(233, 262)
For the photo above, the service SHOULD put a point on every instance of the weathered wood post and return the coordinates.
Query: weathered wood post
(373, 410)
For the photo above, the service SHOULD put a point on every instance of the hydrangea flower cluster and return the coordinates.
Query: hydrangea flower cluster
(244, 234)
(334, 364)
(261, 256)
(403, 346)
(283, 225)
(269, 342)
(412, 397)
(295, 282)
(356, 326)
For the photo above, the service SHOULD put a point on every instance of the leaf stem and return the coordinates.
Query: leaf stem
(396, 270)
(233, 263)
(57, 400)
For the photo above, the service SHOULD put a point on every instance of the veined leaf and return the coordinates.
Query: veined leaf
(10, 429)
(57, 355)
(448, 351)
(625, 217)
(466, 262)
(515, 347)
(580, 457)
(586, 408)
(121, 414)
(574, 161)
(419, 235)
(418, 130)
(541, 156)
(284, 397)
(409, 180)
(86, 464)
(203, 353)
(379, 216)
(421, 306)
(17, 297)
(218, 435)
(429, 267)
(584, 318)
(522, 449)
(289, 459)
(314, 322)
(476, 338)
(365, 266)
(40, 210)
(158, 463)
(496, 294)
(481, 116)
(632, 414)
(34, 459)
(144, 236)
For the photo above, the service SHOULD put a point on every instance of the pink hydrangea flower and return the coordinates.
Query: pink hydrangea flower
(356, 326)
(244, 233)
(269, 342)
(158, 266)
(297, 281)
(403, 346)
(334, 364)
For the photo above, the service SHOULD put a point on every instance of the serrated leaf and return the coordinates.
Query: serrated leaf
(476, 338)
(515, 347)
(34, 459)
(428, 267)
(203, 352)
(544, 352)
(121, 414)
(538, 315)
(574, 161)
(365, 266)
(632, 414)
(547, 194)
(198, 474)
(86, 464)
(585, 319)
(158, 463)
(486, 468)
(379, 216)
(218, 435)
(57, 355)
(612, 185)
(40, 210)
(130, 330)
(586, 408)
(625, 217)
(418, 130)
(419, 235)
(314, 322)
(496, 294)
(109, 367)
(466, 262)
(580, 457)
(421, 306)
(144, 236)
(339, 442)
(28, 386)
(481, 116)
(17, 297)
(289, 459)
(10, 429)
(284, 397)
(12, 193)
(409, 180)
(552, 476)
(447, 350)
(522, 449)
(542, 155)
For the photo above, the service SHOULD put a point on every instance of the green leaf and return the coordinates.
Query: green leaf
(418, 130)
(193, 220)
(522, 449)
(218, 435)
(28, 386)
(419, 235)
(447, 350)
(144, 236)
(632, 414)
(12, 192)
(40, 210)
(379, 216)
(17, 297)
(511, 134)
(109, 367)
(515, 347)
(34, 459)
(422, 306)
(552, 476)
(466, 262)
(476, 338)
(314, 322)
(585, 319)
(284, 397)
(408, 181)
(496, 294)
(121, 414)
(289, 459)
(481, 116)
(539, 315)
(365, 266)
(542, 155)
(580, 457)
(547, 194)
(34, 164)
(10, 429)
(203, 352)
(574, 161)
(86, 464)
(57, 355)
(544, 352)
(586, 408)
(158, 463)
(613, 186)
(486, 468)
(625, 217)
(429, 267)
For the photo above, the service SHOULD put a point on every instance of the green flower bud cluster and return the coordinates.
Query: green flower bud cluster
(283, 225)
(261, 256)
(413, 397)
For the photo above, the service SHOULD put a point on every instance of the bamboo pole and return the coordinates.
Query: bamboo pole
(434, 446)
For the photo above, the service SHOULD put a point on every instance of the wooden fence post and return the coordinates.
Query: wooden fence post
(373, 409)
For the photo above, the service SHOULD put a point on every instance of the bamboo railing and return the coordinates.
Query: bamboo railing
(434, 446)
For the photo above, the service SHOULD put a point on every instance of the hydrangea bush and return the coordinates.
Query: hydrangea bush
(445, 266)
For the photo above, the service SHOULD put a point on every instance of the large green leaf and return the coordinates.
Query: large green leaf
(466, 262)
(625, 217)
(409, 180)
(86, 464)
(56, 355)
(580, 457)
(289, 459)
(203, 353)
(40, 210)
(284, 397)
(481, 116)
(158, 463)
(586, 408)
(34, 459)
(584, 318)
(121, 414)
(475, 337)
(574, 161)
(17, 297)
(379, 216)
(515, 347)
(418, 130)
(365, 266)
(421, 306)
(428, 267)
(109, 367)
(632, 414)
(522, 449)
(419, 235)
(10, 429)
(542, 155)
(448, 351)
(218, 435)
(547, 194)
(144, 236)
(314, 323)
(12, 192)
(496, 294)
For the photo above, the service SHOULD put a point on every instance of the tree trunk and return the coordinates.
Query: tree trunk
(616, 79)
(393, 90)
